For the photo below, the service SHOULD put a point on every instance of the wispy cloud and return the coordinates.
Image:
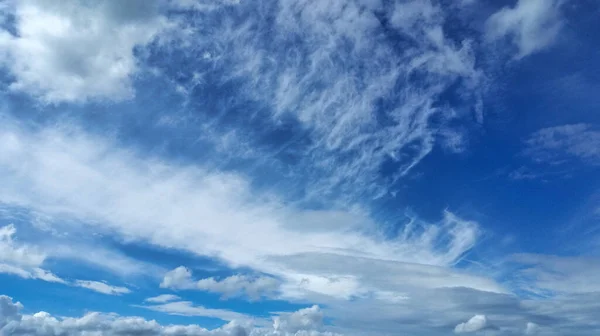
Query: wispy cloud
(475, 323)
(531, 25)
(102, 287)
(163, 298)
(13, 322)
(555, 145)
(21, 259)
(560, 275)
(116, 191)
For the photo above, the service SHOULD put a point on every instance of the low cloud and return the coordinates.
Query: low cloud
(13, 322)
(563, 144)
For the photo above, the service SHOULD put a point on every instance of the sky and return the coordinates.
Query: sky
(299, 167)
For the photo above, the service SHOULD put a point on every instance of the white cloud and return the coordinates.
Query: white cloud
(75, 50)
(102, 287)
(333, 78)
(178, 278)
(531, 25)
(22, 260)
(475, 323)
(13, 322)
(304, 319)
(71, 175)
(163, 298)
(235, 285)
(555, 144)
(253, 287)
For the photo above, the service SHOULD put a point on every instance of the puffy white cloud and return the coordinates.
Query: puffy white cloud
(74, 50)
(9, 310)
(178, 278)
(531, 25)
(44, 324)
(305, 322)
(304, 319)
(475, 323)
(21, 259)
(163, 298)
(102, 287)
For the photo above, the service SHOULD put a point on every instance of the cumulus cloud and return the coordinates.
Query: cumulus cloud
(12, 322)
(178, 278)
(531, 25)
(22, 260)
(102, 287)
(74, 50)
(554, 145)
(304, 319)
(475, 323)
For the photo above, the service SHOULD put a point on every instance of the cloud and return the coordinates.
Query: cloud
(22, 260)
(531, 328)
(304, 319)
(253, 287)
(555, 145)
(102, 287)
(100, 257)
(531, 25)
(74, 50)
(163, 298)
(338, 67)
(475, 323)
(13, 322)
(552, 275)
(178, 278)
(187, 308)
(235, 285)
(115, 191)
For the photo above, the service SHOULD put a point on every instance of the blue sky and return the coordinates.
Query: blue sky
(299, 167)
